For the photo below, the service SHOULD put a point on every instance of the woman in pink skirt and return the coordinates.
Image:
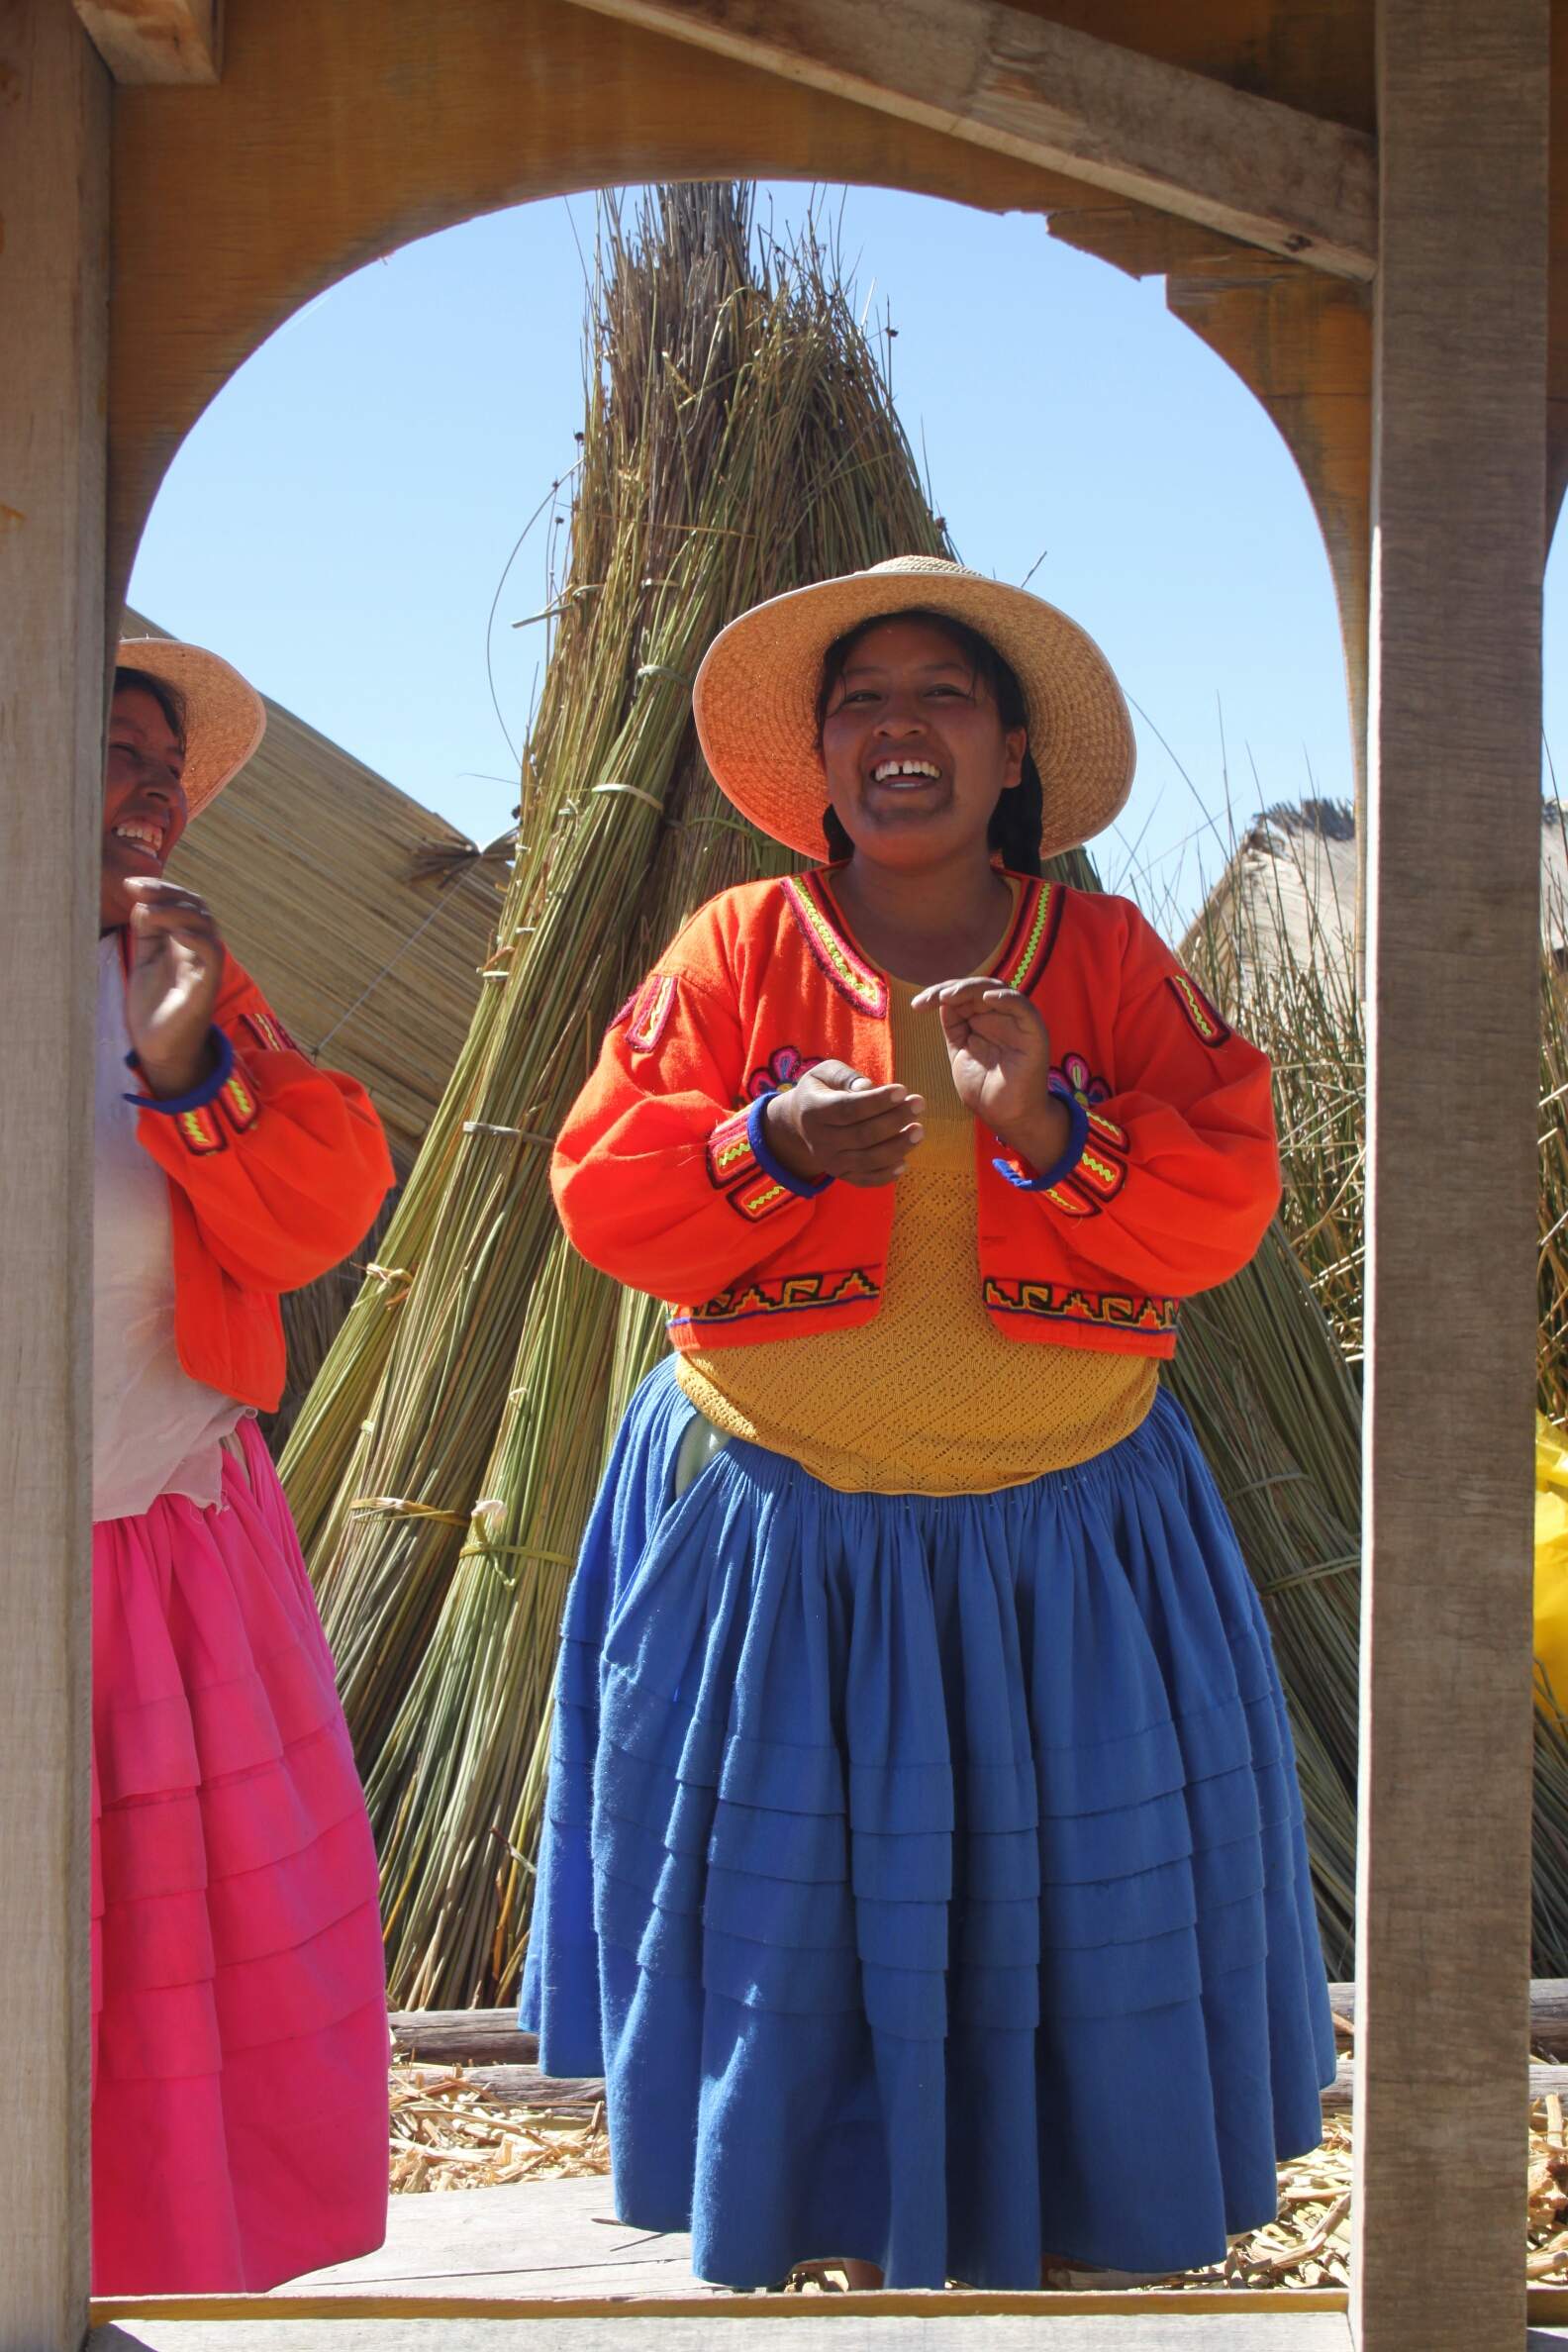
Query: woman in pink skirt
(240, 2043)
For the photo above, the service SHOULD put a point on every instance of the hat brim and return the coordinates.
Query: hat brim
(225, 716)
(755, 697)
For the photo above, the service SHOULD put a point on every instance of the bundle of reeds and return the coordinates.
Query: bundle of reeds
(738, 440)
(1292, 987)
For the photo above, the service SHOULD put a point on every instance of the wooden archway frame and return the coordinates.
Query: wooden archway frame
(334, 132)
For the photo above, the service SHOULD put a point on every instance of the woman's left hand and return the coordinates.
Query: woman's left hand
(999, 1049)
(176, 966)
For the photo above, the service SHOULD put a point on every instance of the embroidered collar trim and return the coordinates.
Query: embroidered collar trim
(1023, 956)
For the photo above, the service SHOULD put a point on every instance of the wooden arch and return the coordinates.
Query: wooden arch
(165, 206)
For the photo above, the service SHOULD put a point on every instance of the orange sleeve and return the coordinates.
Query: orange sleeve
(1173, 1172)
(660, 1178)
(284, 1165)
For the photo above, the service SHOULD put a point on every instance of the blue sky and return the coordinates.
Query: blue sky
(340, 519)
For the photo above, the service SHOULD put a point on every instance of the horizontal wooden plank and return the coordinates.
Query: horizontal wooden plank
(522, 2086)
(819, 2325)
(1001, 78)
(481, 2038)
(463, 2037)
(1195, 2309)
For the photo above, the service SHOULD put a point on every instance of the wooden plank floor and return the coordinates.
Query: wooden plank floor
(533, 2238)
(553, 2245)
(807, 2332)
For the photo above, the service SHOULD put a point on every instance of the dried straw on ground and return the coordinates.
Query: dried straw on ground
(447, 2136)
(740, 438)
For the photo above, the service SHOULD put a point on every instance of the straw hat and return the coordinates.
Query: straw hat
(755, 696)
(225, 716)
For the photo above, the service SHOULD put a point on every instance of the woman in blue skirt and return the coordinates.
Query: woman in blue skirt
(924, 1865)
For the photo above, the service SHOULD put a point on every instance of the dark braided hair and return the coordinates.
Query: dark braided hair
(1019, 816)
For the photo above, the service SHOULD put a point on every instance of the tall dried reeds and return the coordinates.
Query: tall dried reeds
(1290, 984)
(738, 440)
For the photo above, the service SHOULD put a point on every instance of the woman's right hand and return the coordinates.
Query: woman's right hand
(833, 1121)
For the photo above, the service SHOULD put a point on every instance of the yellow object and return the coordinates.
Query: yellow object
(1551, 1565)
(928, 1399)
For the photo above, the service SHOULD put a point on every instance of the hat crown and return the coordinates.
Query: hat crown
(939, 568)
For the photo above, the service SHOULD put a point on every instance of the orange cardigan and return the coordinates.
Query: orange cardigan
(664, 1176)
(275, 1169)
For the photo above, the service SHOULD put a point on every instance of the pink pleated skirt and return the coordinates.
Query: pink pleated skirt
(239, 2028)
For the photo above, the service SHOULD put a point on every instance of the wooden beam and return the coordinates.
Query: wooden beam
(1453, 1013)
(156, 41)
(1004, 80)
(53, 317)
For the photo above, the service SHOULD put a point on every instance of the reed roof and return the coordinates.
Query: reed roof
(363, 915)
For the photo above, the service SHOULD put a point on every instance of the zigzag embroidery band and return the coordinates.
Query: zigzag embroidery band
(1028, 950)
(652, 1007)
(790, 1294)
(1201, 1019)
(864, 987)
(1059, 1302)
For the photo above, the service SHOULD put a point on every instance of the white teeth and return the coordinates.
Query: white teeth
(892, 771)
(144, 835)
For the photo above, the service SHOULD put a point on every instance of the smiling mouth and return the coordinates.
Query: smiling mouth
(904, 776)
(141, 836)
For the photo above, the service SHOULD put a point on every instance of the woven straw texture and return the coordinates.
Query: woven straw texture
(755, 697)
(225, 716)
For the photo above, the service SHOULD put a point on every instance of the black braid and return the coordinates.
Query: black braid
(1019, 816)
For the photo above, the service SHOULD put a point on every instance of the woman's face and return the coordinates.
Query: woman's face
(145, 808)
(914, 748)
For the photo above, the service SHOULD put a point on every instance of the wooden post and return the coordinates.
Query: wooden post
(54, 311)
(1459, 473)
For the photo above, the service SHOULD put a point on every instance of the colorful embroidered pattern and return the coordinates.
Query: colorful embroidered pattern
(200, 1132)
(268, 1031)
(860, 982)
(651, 1008)
(241, 1106)
(791, 1294)
(782, 1067)
(755, 1200)
(752, 1190)
(1098, 1172)
(1071, 1202)
(1201, 1019)
(1060, 1302)
(729, 1154)
(1033, 936)
(1073, 1076)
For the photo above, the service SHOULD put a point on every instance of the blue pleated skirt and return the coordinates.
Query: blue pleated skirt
(927, 1875)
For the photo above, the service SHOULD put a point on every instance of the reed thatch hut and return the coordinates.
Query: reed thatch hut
(364, 917)
(1286, 898)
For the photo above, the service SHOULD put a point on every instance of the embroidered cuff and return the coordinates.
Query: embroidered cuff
(1077, 1137)
(227, 1089)
(742, 1166)
(805, 1188)
(206, 1089)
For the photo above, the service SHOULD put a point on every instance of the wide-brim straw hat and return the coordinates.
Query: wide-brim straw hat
(225, 716)
(755, 697)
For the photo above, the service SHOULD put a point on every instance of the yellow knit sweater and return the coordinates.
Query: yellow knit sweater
(928, 1398)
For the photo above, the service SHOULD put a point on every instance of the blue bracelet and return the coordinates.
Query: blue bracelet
(1077, 1137)
(200, 1096)
(807, 1186)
